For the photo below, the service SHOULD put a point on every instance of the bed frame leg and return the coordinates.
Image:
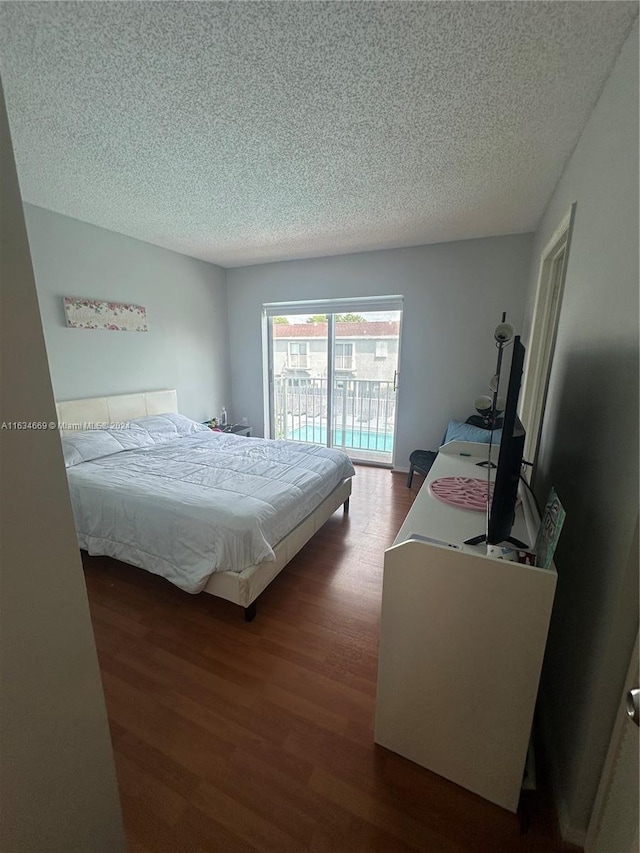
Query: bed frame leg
(346, 507)
(250, 612)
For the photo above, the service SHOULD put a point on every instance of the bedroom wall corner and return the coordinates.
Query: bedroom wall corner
(57, 782)
(187, 345)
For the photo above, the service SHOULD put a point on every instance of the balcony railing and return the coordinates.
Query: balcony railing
(362, 418)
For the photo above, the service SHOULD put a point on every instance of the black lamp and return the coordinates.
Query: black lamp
(491, 407)
(490, 410)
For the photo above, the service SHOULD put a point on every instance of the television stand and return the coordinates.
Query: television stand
(462, 638)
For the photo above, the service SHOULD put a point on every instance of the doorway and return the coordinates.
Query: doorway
(614, 819)
(542, 339)
(333, 375)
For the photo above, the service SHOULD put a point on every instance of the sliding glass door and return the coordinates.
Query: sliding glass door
(299, 390)
(333, 378)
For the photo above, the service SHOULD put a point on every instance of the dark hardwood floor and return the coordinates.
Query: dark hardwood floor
(232, 736)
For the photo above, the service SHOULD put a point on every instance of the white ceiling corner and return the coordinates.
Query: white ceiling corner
(244, 132)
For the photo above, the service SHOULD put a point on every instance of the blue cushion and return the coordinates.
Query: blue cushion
(466, 432)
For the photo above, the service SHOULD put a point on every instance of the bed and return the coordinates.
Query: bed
(208, 511)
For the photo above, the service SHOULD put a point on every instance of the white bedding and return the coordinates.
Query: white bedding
(186, 507)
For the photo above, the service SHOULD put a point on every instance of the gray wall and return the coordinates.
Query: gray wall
(57, 784)
(454, 294)
(589, 448)
(186, 345)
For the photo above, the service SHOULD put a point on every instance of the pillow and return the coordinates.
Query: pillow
(168, 427)
(91, 444)
(466, 432)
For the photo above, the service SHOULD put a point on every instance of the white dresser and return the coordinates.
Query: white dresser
(462, 639)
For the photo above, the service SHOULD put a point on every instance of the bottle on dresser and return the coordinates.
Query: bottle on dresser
(223, 417)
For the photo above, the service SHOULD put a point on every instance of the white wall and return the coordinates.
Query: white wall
(57, 784)
(454, 294)
(186, 345)
(589, 448)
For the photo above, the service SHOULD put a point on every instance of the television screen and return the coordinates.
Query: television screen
(505, 489)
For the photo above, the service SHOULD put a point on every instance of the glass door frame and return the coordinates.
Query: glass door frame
(330, 307)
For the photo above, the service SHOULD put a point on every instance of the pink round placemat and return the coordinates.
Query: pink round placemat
(463, 492)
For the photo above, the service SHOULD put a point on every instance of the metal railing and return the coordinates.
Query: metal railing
(363, 413)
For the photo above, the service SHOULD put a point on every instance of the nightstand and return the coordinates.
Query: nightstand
(238, 429)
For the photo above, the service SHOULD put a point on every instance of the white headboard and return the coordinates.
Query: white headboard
(109, 410)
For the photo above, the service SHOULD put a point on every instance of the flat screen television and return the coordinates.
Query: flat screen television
(505, 489)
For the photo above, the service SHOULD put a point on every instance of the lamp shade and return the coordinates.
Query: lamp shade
(483, 405)
(504, 333)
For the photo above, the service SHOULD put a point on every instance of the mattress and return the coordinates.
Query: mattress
(187, 506)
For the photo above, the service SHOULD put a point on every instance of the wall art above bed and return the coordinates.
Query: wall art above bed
(97, 314)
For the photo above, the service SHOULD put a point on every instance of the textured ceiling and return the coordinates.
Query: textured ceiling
(254, 131)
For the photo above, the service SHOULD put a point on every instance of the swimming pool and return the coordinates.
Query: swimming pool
(353, 438)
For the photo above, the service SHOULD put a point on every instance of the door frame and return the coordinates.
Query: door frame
(621, 757)
(330, 307)
(542, 339)
(604, 809)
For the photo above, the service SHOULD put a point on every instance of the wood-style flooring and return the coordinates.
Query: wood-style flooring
(232, 736)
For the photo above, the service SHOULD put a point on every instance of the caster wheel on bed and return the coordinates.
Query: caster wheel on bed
(250, 612)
